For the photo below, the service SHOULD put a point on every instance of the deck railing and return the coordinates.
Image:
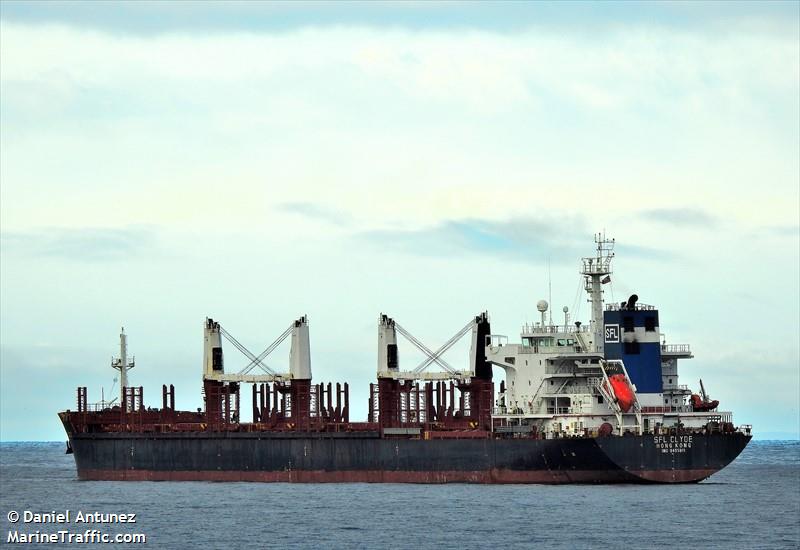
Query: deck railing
(682, 387)
(636, 307)
(675, 348)
(552, 329)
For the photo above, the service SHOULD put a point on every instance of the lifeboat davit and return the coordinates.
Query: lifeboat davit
(622, 391)
(699, 405)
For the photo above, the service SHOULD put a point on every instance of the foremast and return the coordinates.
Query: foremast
(122, 364)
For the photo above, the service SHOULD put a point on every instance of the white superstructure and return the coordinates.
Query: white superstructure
(557, 377)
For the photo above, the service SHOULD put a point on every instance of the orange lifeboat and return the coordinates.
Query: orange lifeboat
(622, 391)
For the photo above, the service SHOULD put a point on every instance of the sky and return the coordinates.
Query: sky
(165, 162)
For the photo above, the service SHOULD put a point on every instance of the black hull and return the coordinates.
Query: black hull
(365, 457)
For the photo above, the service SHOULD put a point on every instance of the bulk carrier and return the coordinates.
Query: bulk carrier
(579, 404)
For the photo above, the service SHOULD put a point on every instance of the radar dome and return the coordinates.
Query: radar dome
(541, 305)
(565, 310)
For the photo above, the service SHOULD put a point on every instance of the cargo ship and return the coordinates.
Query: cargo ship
(577, 404)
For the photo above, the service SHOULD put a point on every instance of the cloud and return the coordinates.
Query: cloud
(784, 230)
(81, 244)
(522, 239)
(386, 118)
(315, 212)
(686, 217)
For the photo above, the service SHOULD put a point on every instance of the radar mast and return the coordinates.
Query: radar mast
(597, 272)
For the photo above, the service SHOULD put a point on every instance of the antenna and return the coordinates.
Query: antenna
(549, 289)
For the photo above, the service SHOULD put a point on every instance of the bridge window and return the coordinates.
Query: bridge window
(650, 324)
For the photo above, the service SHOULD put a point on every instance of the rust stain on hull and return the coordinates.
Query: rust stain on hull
(377, 476)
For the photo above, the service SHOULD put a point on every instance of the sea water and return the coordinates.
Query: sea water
(753, 503)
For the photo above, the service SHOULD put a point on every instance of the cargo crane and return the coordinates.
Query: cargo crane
(280, 399)
(398, 402)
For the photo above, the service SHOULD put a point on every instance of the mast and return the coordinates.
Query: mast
(596, 272)
(122, 364)
(549, 290)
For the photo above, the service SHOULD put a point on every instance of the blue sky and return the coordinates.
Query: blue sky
(198, 16)
(162, 162)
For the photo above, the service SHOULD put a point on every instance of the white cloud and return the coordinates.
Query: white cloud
(390, 121)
